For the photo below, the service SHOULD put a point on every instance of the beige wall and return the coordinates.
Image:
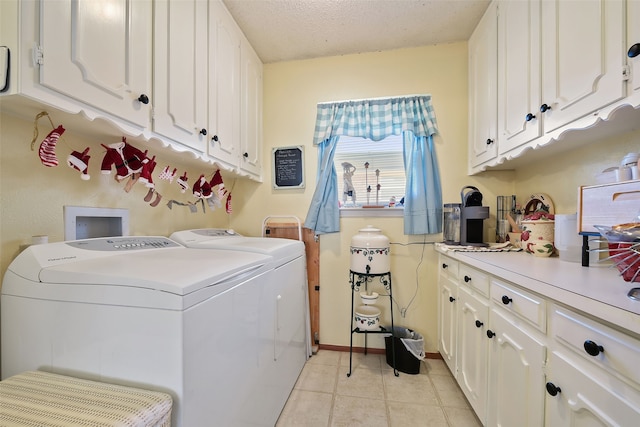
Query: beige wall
(291, 92)
(32, 196)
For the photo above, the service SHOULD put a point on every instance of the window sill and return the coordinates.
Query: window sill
(371, 212)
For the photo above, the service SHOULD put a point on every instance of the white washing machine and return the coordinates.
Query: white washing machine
(289, 343)
(144, 312)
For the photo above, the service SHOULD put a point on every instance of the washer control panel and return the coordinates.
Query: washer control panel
(110, 244)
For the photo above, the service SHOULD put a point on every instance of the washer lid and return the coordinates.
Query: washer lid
(172, 268)
(179, 271)
(282, 250)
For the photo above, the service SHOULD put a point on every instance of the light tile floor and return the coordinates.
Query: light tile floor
(373, 396)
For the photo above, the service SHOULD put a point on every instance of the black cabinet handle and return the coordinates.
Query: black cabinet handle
(451, 299)
(552, 389)
(592, 348)
(529, 117)
(489, 141)
(479, 324)
(634, 50)
(490, 333)
(143, 99)
(544, 108)
(214, 138)
(203, 132)
(444, 265)
(245, 155)
(467, 279)
(506, 300)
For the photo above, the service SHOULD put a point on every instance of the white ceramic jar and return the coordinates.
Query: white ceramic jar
(370, 251)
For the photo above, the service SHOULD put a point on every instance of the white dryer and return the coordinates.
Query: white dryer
(287, 334)
(145, 312)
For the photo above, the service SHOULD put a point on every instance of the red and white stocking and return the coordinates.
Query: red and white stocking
(47, 151)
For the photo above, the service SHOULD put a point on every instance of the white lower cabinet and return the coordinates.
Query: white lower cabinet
(522, 359)
(578, 395)
(473, 349)
(448, 321)
(516, 373)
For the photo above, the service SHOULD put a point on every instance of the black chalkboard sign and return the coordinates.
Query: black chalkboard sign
(288, 167)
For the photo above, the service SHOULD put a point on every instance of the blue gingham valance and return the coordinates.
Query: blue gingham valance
(375, 119)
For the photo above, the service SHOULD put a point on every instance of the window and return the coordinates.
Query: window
(385, 156)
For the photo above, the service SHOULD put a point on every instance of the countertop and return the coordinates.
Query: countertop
(597, 290)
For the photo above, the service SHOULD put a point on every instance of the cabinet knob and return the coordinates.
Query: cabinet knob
(489, 141)
(592, 348)
(506, 300)
(214, 138)
(451, 299)
(444, 265)
(467, 279)
(479, 324)
(552, 389)
(544, 108)
(634, 50)
(490, 333)
(143, 99)
(245, 155)
(530, 117)
(203, 131)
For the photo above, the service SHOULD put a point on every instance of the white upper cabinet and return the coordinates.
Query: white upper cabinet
(518, 73)
(483, 90)
(98, 53)
(224, 90)
(180, 80)
(251, 120)
(583, 58)
(179, 71)
(561, 65)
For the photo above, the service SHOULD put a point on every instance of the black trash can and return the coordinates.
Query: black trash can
(405, 361)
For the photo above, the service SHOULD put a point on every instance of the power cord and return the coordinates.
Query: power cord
(424, 243)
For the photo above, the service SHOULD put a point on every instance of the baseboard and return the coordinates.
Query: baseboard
(369, 350)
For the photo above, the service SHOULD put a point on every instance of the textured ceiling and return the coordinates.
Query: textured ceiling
(284, 30)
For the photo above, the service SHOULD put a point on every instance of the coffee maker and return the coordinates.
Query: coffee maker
(472, 216)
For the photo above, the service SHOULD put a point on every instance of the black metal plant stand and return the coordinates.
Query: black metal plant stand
(358, 280)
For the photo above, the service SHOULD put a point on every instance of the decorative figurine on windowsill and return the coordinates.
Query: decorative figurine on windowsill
(348, 191)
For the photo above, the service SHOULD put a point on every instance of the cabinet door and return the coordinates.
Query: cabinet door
(447, 325)
(516, 378)
(483, 92)
(224, 91)
(473, 349)
(582, 58)
(518, 73)
(251, 129)
(180, 71)
(633, 38)
(99, 53)
(584, 399)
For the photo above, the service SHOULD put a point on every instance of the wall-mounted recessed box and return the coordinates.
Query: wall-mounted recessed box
(82, 222)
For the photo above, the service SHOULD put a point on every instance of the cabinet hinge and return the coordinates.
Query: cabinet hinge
(626, 72)
(38, 55)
